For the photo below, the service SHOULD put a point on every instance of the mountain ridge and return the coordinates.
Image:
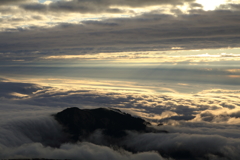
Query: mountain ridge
(80, 123)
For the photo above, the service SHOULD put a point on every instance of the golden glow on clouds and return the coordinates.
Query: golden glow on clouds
(182, 84)
(173, 56)
(63, 85)
(219, 104)
(233, 70)
(19, 94)
(177, 48)
(19, 18)
(234, 76)
(219, 91)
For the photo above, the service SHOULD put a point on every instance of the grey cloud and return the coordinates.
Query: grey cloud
(32, 132)
(71, 151)
(178, 118)
(230, 106)
(95, 6)
(235, 6)
(7, 2)
(187, 146)
(235, 114)
(200, 29)
(7, 88)
(2, 79)
(230, 6)
(222, 117)
(33, 128)
(184, 143)
(207, 116)
(197, 5)
(35, 7)
(202, 128)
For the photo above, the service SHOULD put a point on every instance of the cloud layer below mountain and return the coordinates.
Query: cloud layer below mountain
(200, 126)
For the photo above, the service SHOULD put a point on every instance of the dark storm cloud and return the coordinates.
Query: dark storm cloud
(95, 6)
(199, 29)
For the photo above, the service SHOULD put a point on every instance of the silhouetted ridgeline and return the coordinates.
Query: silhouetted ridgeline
(80, 123)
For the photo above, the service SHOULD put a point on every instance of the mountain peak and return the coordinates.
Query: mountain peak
(80, 123)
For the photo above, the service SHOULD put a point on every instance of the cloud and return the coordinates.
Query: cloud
(94, 6)
(71, 6)
(203, 126)
(188, 146)
(230, 6)
(31, 132)
(220, 116)
(149, 105)
(71, 151)
(144, 32)
(11, 90)
(223, 91)
(34, 128)
(9, 2)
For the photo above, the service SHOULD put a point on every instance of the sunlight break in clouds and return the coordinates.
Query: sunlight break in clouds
(211, 4)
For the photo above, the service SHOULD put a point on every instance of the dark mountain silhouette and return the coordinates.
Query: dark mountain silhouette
(80, 123)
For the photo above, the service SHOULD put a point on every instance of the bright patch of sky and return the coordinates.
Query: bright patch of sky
(42, 1)
(211, 4)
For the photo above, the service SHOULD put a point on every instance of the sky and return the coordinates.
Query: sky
(174, 62)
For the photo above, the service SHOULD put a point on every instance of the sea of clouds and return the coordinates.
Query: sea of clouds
(199, 126)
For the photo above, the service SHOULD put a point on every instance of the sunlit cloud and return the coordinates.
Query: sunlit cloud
(152, 57)
(221, 91)
(180, 48)
(19, 94)
(233, 70)
(234, 76)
